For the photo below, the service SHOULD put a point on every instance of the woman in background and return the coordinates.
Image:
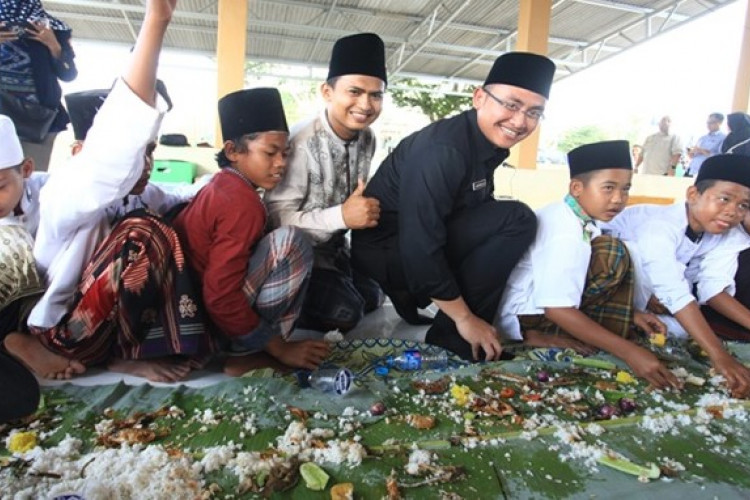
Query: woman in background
(35, 53)
(738, 140)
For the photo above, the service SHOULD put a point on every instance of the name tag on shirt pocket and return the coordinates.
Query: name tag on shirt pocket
(478, 185)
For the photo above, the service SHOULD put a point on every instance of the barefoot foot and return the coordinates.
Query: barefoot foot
(40, 360)
(154, 370)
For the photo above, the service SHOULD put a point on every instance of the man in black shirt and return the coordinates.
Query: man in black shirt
(442, 237)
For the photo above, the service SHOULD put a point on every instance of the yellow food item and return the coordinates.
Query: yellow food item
(342, 491)
(461, 394)
(658, 339)
(624, 378)
(21, 442)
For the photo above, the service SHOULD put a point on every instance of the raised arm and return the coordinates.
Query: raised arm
(141, 73)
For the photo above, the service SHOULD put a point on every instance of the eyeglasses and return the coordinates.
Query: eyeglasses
(531, 114)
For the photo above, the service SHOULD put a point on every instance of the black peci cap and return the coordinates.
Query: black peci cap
(82, 108)
(251, 110)
(599, 156)
(525, 70)
(360, 54)
(726, 167)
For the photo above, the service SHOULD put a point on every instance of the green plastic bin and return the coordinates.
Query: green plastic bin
(175, 171)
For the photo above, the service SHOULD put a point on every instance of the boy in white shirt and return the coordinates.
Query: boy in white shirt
(20, 285)
(672, 246)
(728, 311)
(113, 293)
(19, 219)
(574, 287)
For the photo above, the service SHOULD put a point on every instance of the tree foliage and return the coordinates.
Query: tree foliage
(580, 136)
(429, 98)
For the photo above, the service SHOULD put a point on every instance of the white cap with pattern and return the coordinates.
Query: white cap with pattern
(11, 153)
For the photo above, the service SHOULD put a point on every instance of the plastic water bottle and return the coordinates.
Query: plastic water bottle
(413, 359)
(338, 380)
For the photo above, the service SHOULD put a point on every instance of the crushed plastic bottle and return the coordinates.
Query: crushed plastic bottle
(338, 380)
(413, 359)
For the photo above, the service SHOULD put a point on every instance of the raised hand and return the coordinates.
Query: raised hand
(359, 211)
(161, 9)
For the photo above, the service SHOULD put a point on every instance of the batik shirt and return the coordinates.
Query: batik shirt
(322, 172)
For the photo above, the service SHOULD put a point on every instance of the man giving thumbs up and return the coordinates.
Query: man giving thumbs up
(323, 186)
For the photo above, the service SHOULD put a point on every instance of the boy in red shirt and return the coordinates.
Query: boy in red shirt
(253, 283)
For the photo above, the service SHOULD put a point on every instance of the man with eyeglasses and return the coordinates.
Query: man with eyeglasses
(442, 237)
(708, 145)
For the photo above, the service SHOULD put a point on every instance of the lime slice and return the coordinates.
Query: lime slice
(315, 477)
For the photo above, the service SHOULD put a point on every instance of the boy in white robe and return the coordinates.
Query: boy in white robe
(19, 219)
(670, 247)
(574, 287)
(110, 299)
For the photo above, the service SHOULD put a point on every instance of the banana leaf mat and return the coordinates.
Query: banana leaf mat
(545, 425)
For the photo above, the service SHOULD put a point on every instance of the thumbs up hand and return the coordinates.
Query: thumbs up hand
(359, 211)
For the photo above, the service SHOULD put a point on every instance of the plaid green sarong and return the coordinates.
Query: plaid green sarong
(608, 295)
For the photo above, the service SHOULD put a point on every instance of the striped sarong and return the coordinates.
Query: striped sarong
(136, 300)
(608, 294)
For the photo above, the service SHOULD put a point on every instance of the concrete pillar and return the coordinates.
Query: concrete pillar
(742, 84)
(533, 33)
(231, 40)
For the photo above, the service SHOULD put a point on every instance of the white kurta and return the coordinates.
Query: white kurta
(719, 266)
(81, 198)
(667, 264)
(29, 219)
(552, 273)
(315, 182)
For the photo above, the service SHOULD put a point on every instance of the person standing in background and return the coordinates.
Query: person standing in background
(738, 140)
(661, 151)
(636, 152)
(35, 53)
(708, 145)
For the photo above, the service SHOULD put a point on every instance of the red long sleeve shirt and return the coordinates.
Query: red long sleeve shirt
(218, 230)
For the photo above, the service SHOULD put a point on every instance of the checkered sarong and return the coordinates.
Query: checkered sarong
(135, 300)
(608, 295)
(275, 285)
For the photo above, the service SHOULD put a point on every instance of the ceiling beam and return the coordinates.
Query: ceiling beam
(664, 12)
(431, 36)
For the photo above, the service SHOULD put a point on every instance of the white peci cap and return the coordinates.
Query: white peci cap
(11, 153)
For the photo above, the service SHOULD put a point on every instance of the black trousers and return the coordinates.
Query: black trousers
(723, 326)
(19, 389)
(484, 244)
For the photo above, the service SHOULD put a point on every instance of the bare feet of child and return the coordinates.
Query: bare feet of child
(40, 360)
(535, 338)
(306, 354)
(155, 370)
